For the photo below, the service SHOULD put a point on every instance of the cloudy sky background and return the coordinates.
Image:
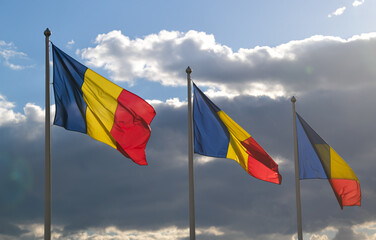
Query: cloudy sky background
(249, 58)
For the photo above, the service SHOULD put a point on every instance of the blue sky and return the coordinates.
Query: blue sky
(237, 25)
(249, 57)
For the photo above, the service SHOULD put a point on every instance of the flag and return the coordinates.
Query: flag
(88, 103)
(217, 135)
(317, 160)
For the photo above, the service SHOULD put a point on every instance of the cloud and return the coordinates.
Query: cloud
(296, 67)
(337, 12)
(357, 3)
(174, 102)
(7, 229)
(70, 43)
(9, 54)
(29, 124)
(97, 192)
(8, 116)
(349, 234)
(318, 237)
(106, 195)
(36, 231)
(341, 10)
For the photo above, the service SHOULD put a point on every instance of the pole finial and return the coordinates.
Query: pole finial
(188, 70)
(47, 32)
(293, 99)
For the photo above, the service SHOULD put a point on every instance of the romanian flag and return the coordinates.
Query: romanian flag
(88, 103)
(318, 160)
(217, 135)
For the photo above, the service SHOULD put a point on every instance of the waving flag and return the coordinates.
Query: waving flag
(88, 103)
(318, 160)
(217, 135)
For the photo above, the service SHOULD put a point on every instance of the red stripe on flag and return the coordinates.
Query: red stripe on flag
(131, 128)
(347, 191)
(260, 164)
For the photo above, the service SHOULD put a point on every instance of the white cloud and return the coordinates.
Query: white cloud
(214, 92)
(341, 10)
(8, 116)
(281, 160)
(34, 113)
(291, 68)
(357, 3)
(36, 231)
(4, 44)
(70, 43)
(260, 89)
(201, 159)
(318, 237)
(9, 53)
(29, 123)
(337, 12)
(174, 102)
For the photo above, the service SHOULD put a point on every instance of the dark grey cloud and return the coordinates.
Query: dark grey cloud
(9, 229)
(94, 186)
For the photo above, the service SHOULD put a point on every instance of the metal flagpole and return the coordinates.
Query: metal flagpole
(192, 230)
(297, 180)
(47, 168)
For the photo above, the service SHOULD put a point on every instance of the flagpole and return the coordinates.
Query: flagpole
(297, 179)
(192, 231)
(47, 168)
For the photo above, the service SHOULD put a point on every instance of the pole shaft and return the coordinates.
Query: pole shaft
(297, 179)
(192, 230)
(47, 167)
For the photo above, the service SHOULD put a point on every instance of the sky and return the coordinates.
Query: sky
(249, 57)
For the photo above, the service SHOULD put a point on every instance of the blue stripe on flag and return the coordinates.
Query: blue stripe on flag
(68, 78)
(211, 137)
(309, 164)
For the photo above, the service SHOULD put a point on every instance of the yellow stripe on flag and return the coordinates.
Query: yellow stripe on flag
(339, 168)
(100, 96)
(236, 150)
(233, 127)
